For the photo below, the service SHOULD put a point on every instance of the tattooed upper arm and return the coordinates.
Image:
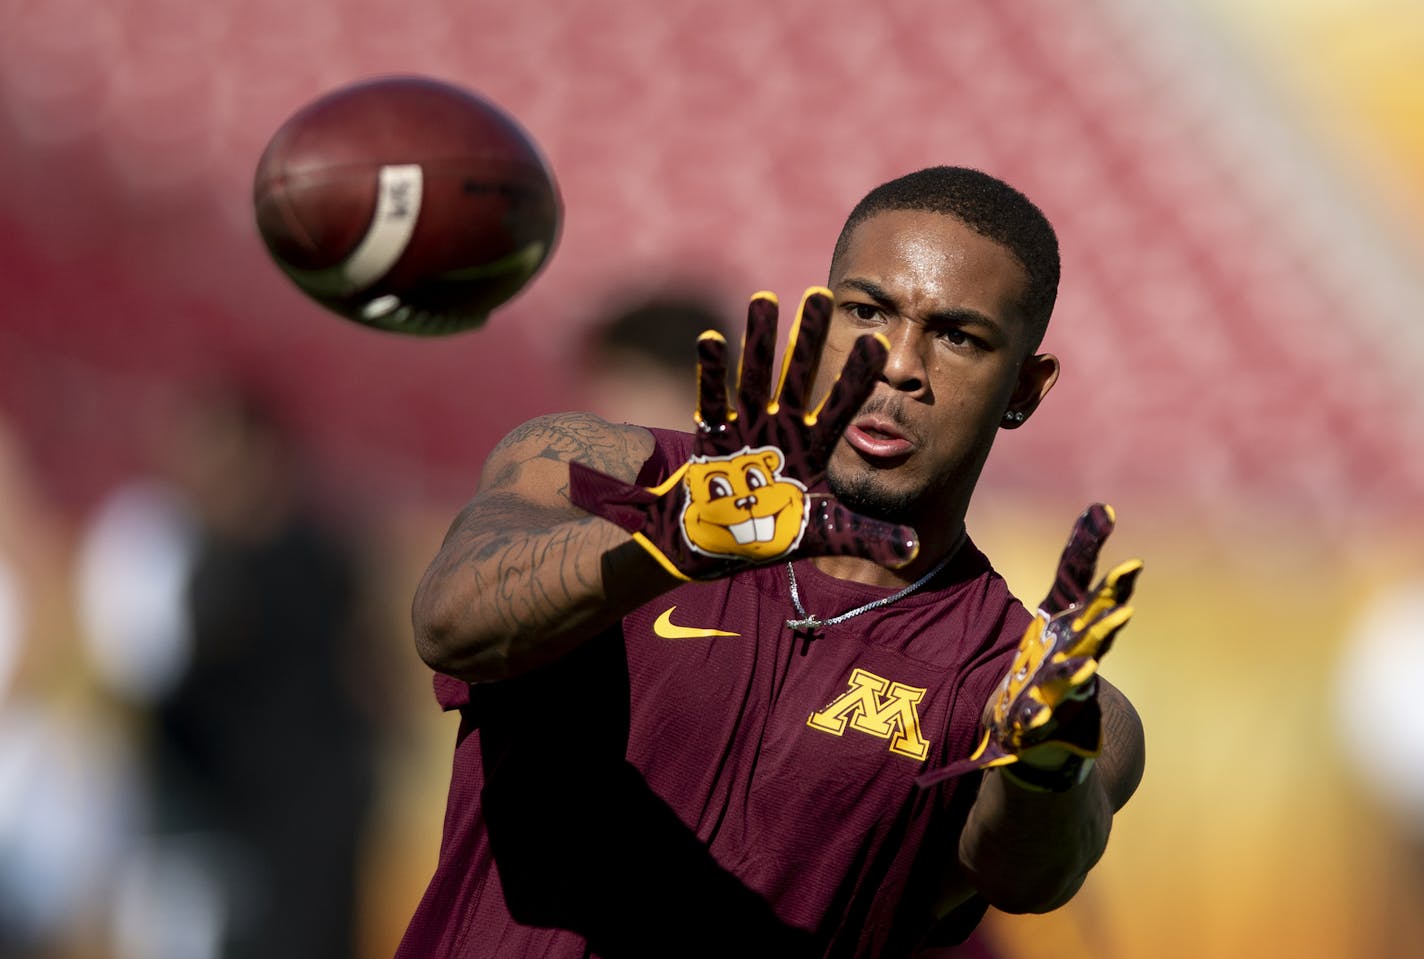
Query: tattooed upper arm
(531, 462)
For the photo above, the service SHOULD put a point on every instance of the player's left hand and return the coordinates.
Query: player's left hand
(1045, 711)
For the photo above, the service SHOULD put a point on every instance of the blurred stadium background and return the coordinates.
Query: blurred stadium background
(1239, 190)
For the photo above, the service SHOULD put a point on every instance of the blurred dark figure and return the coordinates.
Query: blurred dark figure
(262, 743)
(640, 355)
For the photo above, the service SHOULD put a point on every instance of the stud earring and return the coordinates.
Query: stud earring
(1015, 416)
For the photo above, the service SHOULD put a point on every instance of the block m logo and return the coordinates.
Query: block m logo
(877, 706)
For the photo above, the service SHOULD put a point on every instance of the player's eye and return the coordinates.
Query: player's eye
(864, 312)
(718, 487)
(756, 479)
(960, 340)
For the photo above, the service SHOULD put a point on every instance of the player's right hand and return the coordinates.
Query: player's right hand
(750, 494)
(1045, 709)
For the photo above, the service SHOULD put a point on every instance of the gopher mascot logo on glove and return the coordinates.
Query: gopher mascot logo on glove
(740, 506)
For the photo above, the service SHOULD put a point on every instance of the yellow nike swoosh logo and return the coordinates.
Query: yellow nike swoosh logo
(667, 629)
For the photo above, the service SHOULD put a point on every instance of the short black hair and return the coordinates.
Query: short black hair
(989, 207)
(660, 326)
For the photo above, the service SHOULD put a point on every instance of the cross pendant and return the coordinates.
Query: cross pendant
(810, 624)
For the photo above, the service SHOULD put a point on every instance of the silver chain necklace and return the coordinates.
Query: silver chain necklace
(810, 622)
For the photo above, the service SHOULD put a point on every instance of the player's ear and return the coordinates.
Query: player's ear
(1036, 377)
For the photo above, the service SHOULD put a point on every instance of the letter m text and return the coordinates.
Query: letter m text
(879, 707)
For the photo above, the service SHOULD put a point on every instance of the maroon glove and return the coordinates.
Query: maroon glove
(1045, 711)
(745, 497)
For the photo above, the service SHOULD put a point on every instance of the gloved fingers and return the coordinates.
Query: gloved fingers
(849, 392)
(758, 350)
(1122, 579)
(1089, 632)
(834, 530)
(1026, 714)
(1030, 725)
(803, 350)
(1105, 630)
(1076, 726)
(1113, 590)
(1080, 558)
(1065, 679)
(712, 381)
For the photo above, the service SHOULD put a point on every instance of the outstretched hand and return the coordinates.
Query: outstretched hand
(1046, 707)
(749, 494)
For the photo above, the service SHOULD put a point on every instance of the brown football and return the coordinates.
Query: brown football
(407, 204)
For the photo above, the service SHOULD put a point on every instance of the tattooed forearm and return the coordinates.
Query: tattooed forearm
(523, 575)
(502, 600)
(541, 581)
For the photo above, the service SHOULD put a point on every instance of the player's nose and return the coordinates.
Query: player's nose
(905, 365)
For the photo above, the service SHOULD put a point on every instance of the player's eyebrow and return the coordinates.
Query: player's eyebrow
(954, 317)
(873, 290)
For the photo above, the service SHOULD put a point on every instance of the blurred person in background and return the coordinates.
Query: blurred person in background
(256, 687)
(67, 787)
(637, 362)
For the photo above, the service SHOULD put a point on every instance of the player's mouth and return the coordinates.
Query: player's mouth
(878, 437)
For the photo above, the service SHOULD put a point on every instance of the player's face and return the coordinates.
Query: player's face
(946, 298)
